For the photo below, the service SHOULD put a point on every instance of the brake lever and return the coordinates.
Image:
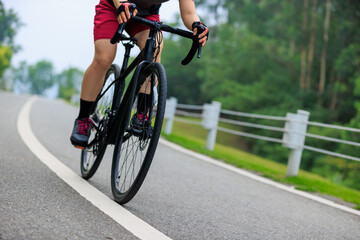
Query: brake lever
(199, 50)
(121, 28)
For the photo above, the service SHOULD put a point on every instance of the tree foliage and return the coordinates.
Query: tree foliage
(37, 77)
(69, 82)
(9, 23)
(273, 57)
(40, 77)
(5, 57)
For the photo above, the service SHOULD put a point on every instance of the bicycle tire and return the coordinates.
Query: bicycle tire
(134, 151)
(102, 111)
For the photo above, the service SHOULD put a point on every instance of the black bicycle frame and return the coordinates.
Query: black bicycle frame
(144, 58)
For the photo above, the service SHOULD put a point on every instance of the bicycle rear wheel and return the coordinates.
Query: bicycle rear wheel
(102, 112)
(136, 145)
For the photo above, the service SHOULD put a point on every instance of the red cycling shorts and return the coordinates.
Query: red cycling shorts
(105, 22)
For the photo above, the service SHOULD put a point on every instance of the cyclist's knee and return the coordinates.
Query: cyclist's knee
(104, 54)
(103, 61)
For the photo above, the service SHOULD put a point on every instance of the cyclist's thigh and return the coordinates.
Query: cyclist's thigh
(104, 52)
(142, 37)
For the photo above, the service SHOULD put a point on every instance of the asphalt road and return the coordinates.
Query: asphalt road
(182, 196)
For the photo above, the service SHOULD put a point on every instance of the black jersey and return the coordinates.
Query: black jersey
(146, 7)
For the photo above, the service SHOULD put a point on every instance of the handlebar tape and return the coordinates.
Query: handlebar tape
(191, 54)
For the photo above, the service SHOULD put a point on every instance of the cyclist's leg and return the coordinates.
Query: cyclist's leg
(91, 86)
(105, 25)
(94, 75)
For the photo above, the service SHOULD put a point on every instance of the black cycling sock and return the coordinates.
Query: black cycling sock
(85, 108)
(144, 102)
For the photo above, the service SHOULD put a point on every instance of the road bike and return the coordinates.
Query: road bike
(114, 109)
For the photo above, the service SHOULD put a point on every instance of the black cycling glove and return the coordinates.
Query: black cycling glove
(124, 6)
(200, 28)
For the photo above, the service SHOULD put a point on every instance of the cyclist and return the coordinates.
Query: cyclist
(109, 14)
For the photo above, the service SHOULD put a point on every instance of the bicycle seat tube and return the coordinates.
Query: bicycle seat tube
(128, 47)
(150, 46)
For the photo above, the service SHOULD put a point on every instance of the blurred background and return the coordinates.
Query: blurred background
(264, 56)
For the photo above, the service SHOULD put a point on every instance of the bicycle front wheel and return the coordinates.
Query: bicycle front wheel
(102, 112)
(137, 140)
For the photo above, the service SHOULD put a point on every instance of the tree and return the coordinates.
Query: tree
(5, 57)
(324, 50)
(40, 77)
(19, 77)
(303, 45)
(183, 81)
(311, 46)
(9, 23)
(69, 82)
(272, 57)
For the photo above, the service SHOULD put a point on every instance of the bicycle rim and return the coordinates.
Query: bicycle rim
(92, 155)
(136, 144)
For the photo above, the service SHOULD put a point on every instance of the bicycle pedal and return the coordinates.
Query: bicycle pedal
(136, 131)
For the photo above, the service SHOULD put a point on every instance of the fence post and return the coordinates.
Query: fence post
(170, 114)
(294, 138)
(210, 118)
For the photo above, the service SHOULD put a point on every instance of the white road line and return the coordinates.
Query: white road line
(122, 216)
(258, 178)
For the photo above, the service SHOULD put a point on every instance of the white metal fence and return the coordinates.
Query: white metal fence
(294, 131)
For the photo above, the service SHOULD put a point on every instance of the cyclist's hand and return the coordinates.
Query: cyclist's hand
(202, 30)
(123, 11)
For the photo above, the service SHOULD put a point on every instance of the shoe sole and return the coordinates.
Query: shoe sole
(78, 144)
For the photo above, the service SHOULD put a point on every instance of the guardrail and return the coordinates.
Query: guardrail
(294, 130)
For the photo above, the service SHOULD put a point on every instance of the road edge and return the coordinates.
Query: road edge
(258, 178)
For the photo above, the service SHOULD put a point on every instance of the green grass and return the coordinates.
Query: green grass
(193, 137)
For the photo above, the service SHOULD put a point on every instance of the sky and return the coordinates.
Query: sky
(62, 31)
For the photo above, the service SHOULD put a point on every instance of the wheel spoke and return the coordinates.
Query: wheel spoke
(131, 149)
